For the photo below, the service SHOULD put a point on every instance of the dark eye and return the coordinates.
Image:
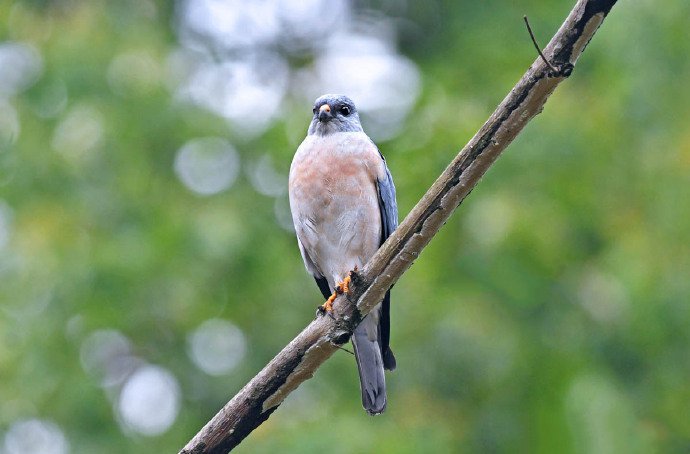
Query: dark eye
(314, 110)
(345, 110)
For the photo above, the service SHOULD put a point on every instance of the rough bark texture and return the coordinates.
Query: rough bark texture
(317, 342)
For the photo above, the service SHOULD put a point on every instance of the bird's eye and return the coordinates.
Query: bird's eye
(315, 110)
(345, 110)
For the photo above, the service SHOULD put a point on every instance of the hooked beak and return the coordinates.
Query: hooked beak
(325, 113)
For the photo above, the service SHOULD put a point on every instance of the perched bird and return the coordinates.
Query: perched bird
(343, 206)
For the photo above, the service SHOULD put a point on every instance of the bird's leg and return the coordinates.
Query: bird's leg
(328, 305)
(349, 280)
(342, 287)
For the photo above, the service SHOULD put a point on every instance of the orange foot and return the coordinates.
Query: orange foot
(342, 287)
(328, 305)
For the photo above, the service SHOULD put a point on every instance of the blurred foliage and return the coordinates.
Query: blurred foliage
(549, 315)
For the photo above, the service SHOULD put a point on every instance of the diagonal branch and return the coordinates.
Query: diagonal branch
(299, 360)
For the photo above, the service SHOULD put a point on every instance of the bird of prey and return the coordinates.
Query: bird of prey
(343, 206)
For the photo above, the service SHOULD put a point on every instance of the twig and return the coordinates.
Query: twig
(536, 46)
(299, 360)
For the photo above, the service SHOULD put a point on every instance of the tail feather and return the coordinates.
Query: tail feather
(370, 364)
(389, 362)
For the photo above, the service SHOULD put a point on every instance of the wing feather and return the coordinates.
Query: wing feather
(321, 281)
(389, 222)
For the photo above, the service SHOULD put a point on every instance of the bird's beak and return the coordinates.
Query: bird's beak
(325, 113)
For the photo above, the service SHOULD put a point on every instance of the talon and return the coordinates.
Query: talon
(345, 285)
(342, 287)
(328, 305)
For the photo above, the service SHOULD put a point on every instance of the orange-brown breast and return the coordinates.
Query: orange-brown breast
(334, 200)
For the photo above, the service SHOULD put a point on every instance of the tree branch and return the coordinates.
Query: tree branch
(299, 360)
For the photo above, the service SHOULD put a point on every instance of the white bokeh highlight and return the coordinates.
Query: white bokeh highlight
(246, 91)
(21, 66)
(79, 133)
(217, 346)
(232, 62)
(265, 178)
(207, 165)
(383, 84)
(106, 355)
(304, 23)
(149, 401)
(235, 24)
(35, 436)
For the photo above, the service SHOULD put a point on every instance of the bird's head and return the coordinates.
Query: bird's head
(334, 113)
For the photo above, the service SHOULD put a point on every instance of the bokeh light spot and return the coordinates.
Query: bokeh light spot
(207, 165)
(106, 355)
(247, 91)
(603, 296)
(323, 16)
(149, 401)
(234, 22)
(20, 67)
(35, 436)
(383, 83)
(81, 131)
(265, 179)
(216, 346)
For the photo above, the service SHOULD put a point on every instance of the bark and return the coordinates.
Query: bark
(299, 360)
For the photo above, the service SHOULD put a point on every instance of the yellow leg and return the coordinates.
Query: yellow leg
(328, 305)
(345, 285)
(342, 287)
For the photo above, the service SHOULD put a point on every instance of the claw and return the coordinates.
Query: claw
(345, 285)
(327, 307)
(342, 287)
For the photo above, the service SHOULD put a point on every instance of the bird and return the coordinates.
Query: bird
(343, 205)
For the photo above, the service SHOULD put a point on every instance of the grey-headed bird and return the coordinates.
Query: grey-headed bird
(343, 206)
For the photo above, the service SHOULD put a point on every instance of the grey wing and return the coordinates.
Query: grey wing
(311, 267)
(387, 204)
(389, 222)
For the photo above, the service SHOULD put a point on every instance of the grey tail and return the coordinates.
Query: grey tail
(385, 333)
(370, 364)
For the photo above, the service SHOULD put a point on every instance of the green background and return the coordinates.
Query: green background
(550, 314)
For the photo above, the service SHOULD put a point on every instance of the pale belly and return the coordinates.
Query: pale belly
(335, 210)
